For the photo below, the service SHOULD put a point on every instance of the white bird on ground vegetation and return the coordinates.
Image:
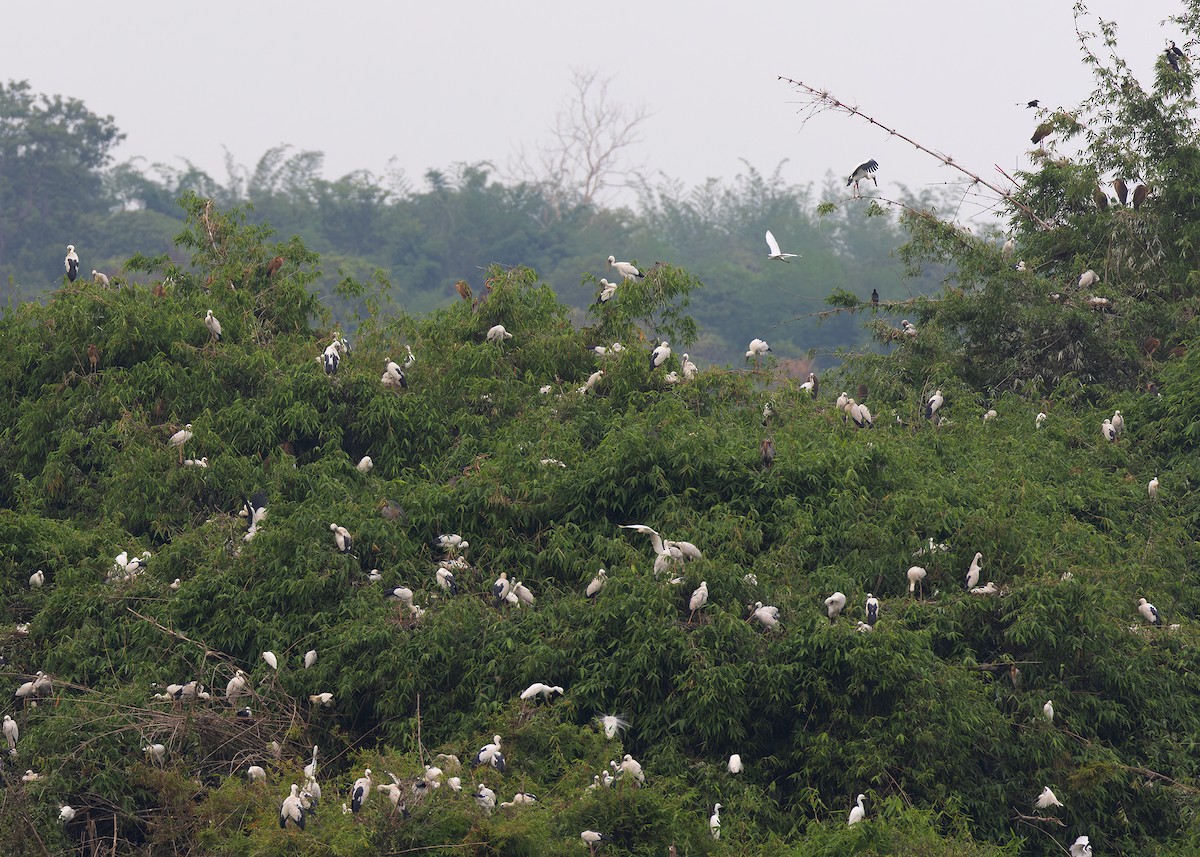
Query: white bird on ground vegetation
(973, 571)
(1048, 710)
(158, 752)
(272, 661)
(214, 326)
(625, 269)
(497, 333)
(11, 733)
(37, 579)
(629, 767)
(767, 615)
(612, 724)
(291, 809)
(1149, 612)
(858, 813)
(256, 774)
(1107, 430)
(341, 536)
(872, 610)
(364, 464)
(735, 764)
(445, 579)
(714, 820)
(490, 754)
(1082, 847)
(1118, 421)
(688, 368)
(235, 688)
(834, 605)
(593, 588)
(699, 599)
(71, 263)
(361, 790)
(863, 171)
(916, 574)
(773, 251)
(1152, 488)
(1088, 278)
(539, 689)
(607, 291)
(660, 355)
(66, 813)
(1047, 799)
(935, 402)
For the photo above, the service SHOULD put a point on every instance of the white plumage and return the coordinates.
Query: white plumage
(612, 724)
(625, 269)
(714, 820)
(1118, 421)
(1149, 612)
(486, 798)
(916, 574)
(272, 661)
(689, 368)
(629, 767)
(1152, 488)
(935, 402)
(1082, 847)
(497, 333)
(181, 437)
(872, 610)
(1088, 278)
(214, 326)
(341, 537)
(757, 349)
(364, 464)
(310, 658)
(1108, 431)
(660, 355)
(361, 790)
(37, 579)
(324, 699)
(767, 615)
(71, 263)
(593, 588)
(858, 813)
(539, 689)
(256, 774)
(11, 733)
(1047, 799)
(973, 571)
(66, 813)
(699, 597)
(607, 291)
(735, 764)
(834, 605)
(773, 251)
(292, 810)
(101, 279)
(1048, 710)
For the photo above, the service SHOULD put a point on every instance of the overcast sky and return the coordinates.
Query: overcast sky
(430, 84)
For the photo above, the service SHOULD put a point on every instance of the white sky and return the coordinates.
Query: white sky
(434, 83)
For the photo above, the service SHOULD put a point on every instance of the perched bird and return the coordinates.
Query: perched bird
(607, 291)
(874, 296)
(445, 580)
(214, 326)
(916, 574)
(341, 537)
(1082, 847)
(1088, 278)
(1122, 190)
(1042, 132)
(699, 599)
(393, 376)
(158, 752)
(1100, 198)
(863, 171)
(310, 658)
(497, 333)
(1152, 488)
(1009, 248)
(1048, 710)
(735, 764)
(1149, 612)
(11, 733)
(766, 615)
(935, 402)
(93, 355)
(973, 571)
(1139, 196)
(292, 810)
(101, 279)
(598, 582)
(37, 579)
(990, 414)
(360, 790)
(858, 812)
(812, 385)
(486, 798)
(872, 610)
(180, 438)
(545, 691)
(591, 839)
(688, 368)
(626, 270)
(612, 724)
(773, 251)
(714, 820)
(1172, 54)
(500, 588)
(272, 661)
(1047, 799)
(235, 688)
(593, 380)
(629, 767)
(65, 813)
(834, 605)
(324, 699)
(71, 263)
(1041, 418)
(256, 774)
(29, 776)
(490, 754)
(463, 289)
(1118, 421)
(660, 355)
(766, 452)
(758, 348)
(1108, 430)
(364, 464)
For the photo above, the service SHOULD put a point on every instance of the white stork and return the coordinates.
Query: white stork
(360, 790)
(292, 810)
(341, 537)
(607, 291)
(660, 355)
(916, 574)
(11, 734)
(863, 171)
(1152, 488)
(490, 754)
(714, 820)
(872, 610)
(1149, 612)
(834, 605)
(935, 402)
(71, 263)
(625, 269)
(812, 385)
(593, 588)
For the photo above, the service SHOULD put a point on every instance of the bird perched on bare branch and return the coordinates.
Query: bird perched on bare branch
(863, 171)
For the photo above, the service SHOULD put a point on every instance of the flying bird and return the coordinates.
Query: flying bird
(863, 171)
(71, 263)
(1082, 847)
(774, 252)
(1033, 103)
(1047, 799)
(214, 326)
(626, 270)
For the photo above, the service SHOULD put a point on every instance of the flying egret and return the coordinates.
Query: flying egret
(774, 252)
(625, 269)
(935, 402)
(37, 579)
(660, 355)
(767, 615)
(292, 810)
(872, 610)
(973, 571)
(490, 754)
(1149, 612)
(341, 537)
(593, 588)
(71, 263)
(699, 599)
(364, 464)
(360, 790)
(486, 798)
(1152, 488)
(1082, 847)
(858, 812)
(310, 658)
(214, 326)
(1047, 799)
(272, 661)
(834, 605)
(545, 691)
(256, 774)
(812, 385)
(612, 724)
(1048, 710)
(497, 333)
(607, 291)
(1108, 430)
(863, 171)
(735, 764)
(714, 820)
(11, 733)
(916, 575)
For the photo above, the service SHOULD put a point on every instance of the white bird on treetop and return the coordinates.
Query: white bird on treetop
(774, 252)
(236, 687)
(872, 610)
(612, 724)
(834, 605)
(341, 537)
(11, 733)
(539, 689)
(858, 812)
(863, 171)
(973, 571)
(629, 767)
(360, 790)
(1048, 710)
(625, 269)
(1152, 488)
(735, 764)
(1047, 799)
(256, 774)
(445, 579)
(689, 368)
(181, 437)
(660, 355)
(758, 347)
(100, 278)
(497, 333)
(812, 385)
(714, 820)
(71, 263)
(607, 291)
(1009, 246)
(501, 588)
(214, 326)
(490, 754)
(1149, 612)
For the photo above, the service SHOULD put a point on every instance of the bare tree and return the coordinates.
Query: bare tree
(584, 155)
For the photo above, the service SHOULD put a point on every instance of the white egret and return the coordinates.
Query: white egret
(660, 355)
(714, 820)
(361, 790)
(1048, 710)
(773, 251)
(71, 263)
(858, 812)
(625, 269)
(214, 326)
(699, 599)
(767, 615)
(872, 610)
(256, 774)
(11, 733)
(735, 764)
(1088, 278)
(411, 358)
(545, 691)
(324, 699)
(593, 380)
(497, 333)
(272, 661)
(916, 574)
(180, 438)
(612, 724)
(935, 402)
(1149, 612)
(863, 171)
(490, 754)
(1099, 302)
(523, 593)
(364, 464)
(988, 588)
(607, 291)
(1047, 799)
(1082, 847)
(37, 579)
(310, 658)
(973, 571)
(1041, 418)
(486, 798)
(291, 809)
(593, 588)
(834, 605)
(1152, 488)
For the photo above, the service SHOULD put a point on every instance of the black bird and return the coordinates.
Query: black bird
(1173, 55)
(1033, 103)
(874, 296)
